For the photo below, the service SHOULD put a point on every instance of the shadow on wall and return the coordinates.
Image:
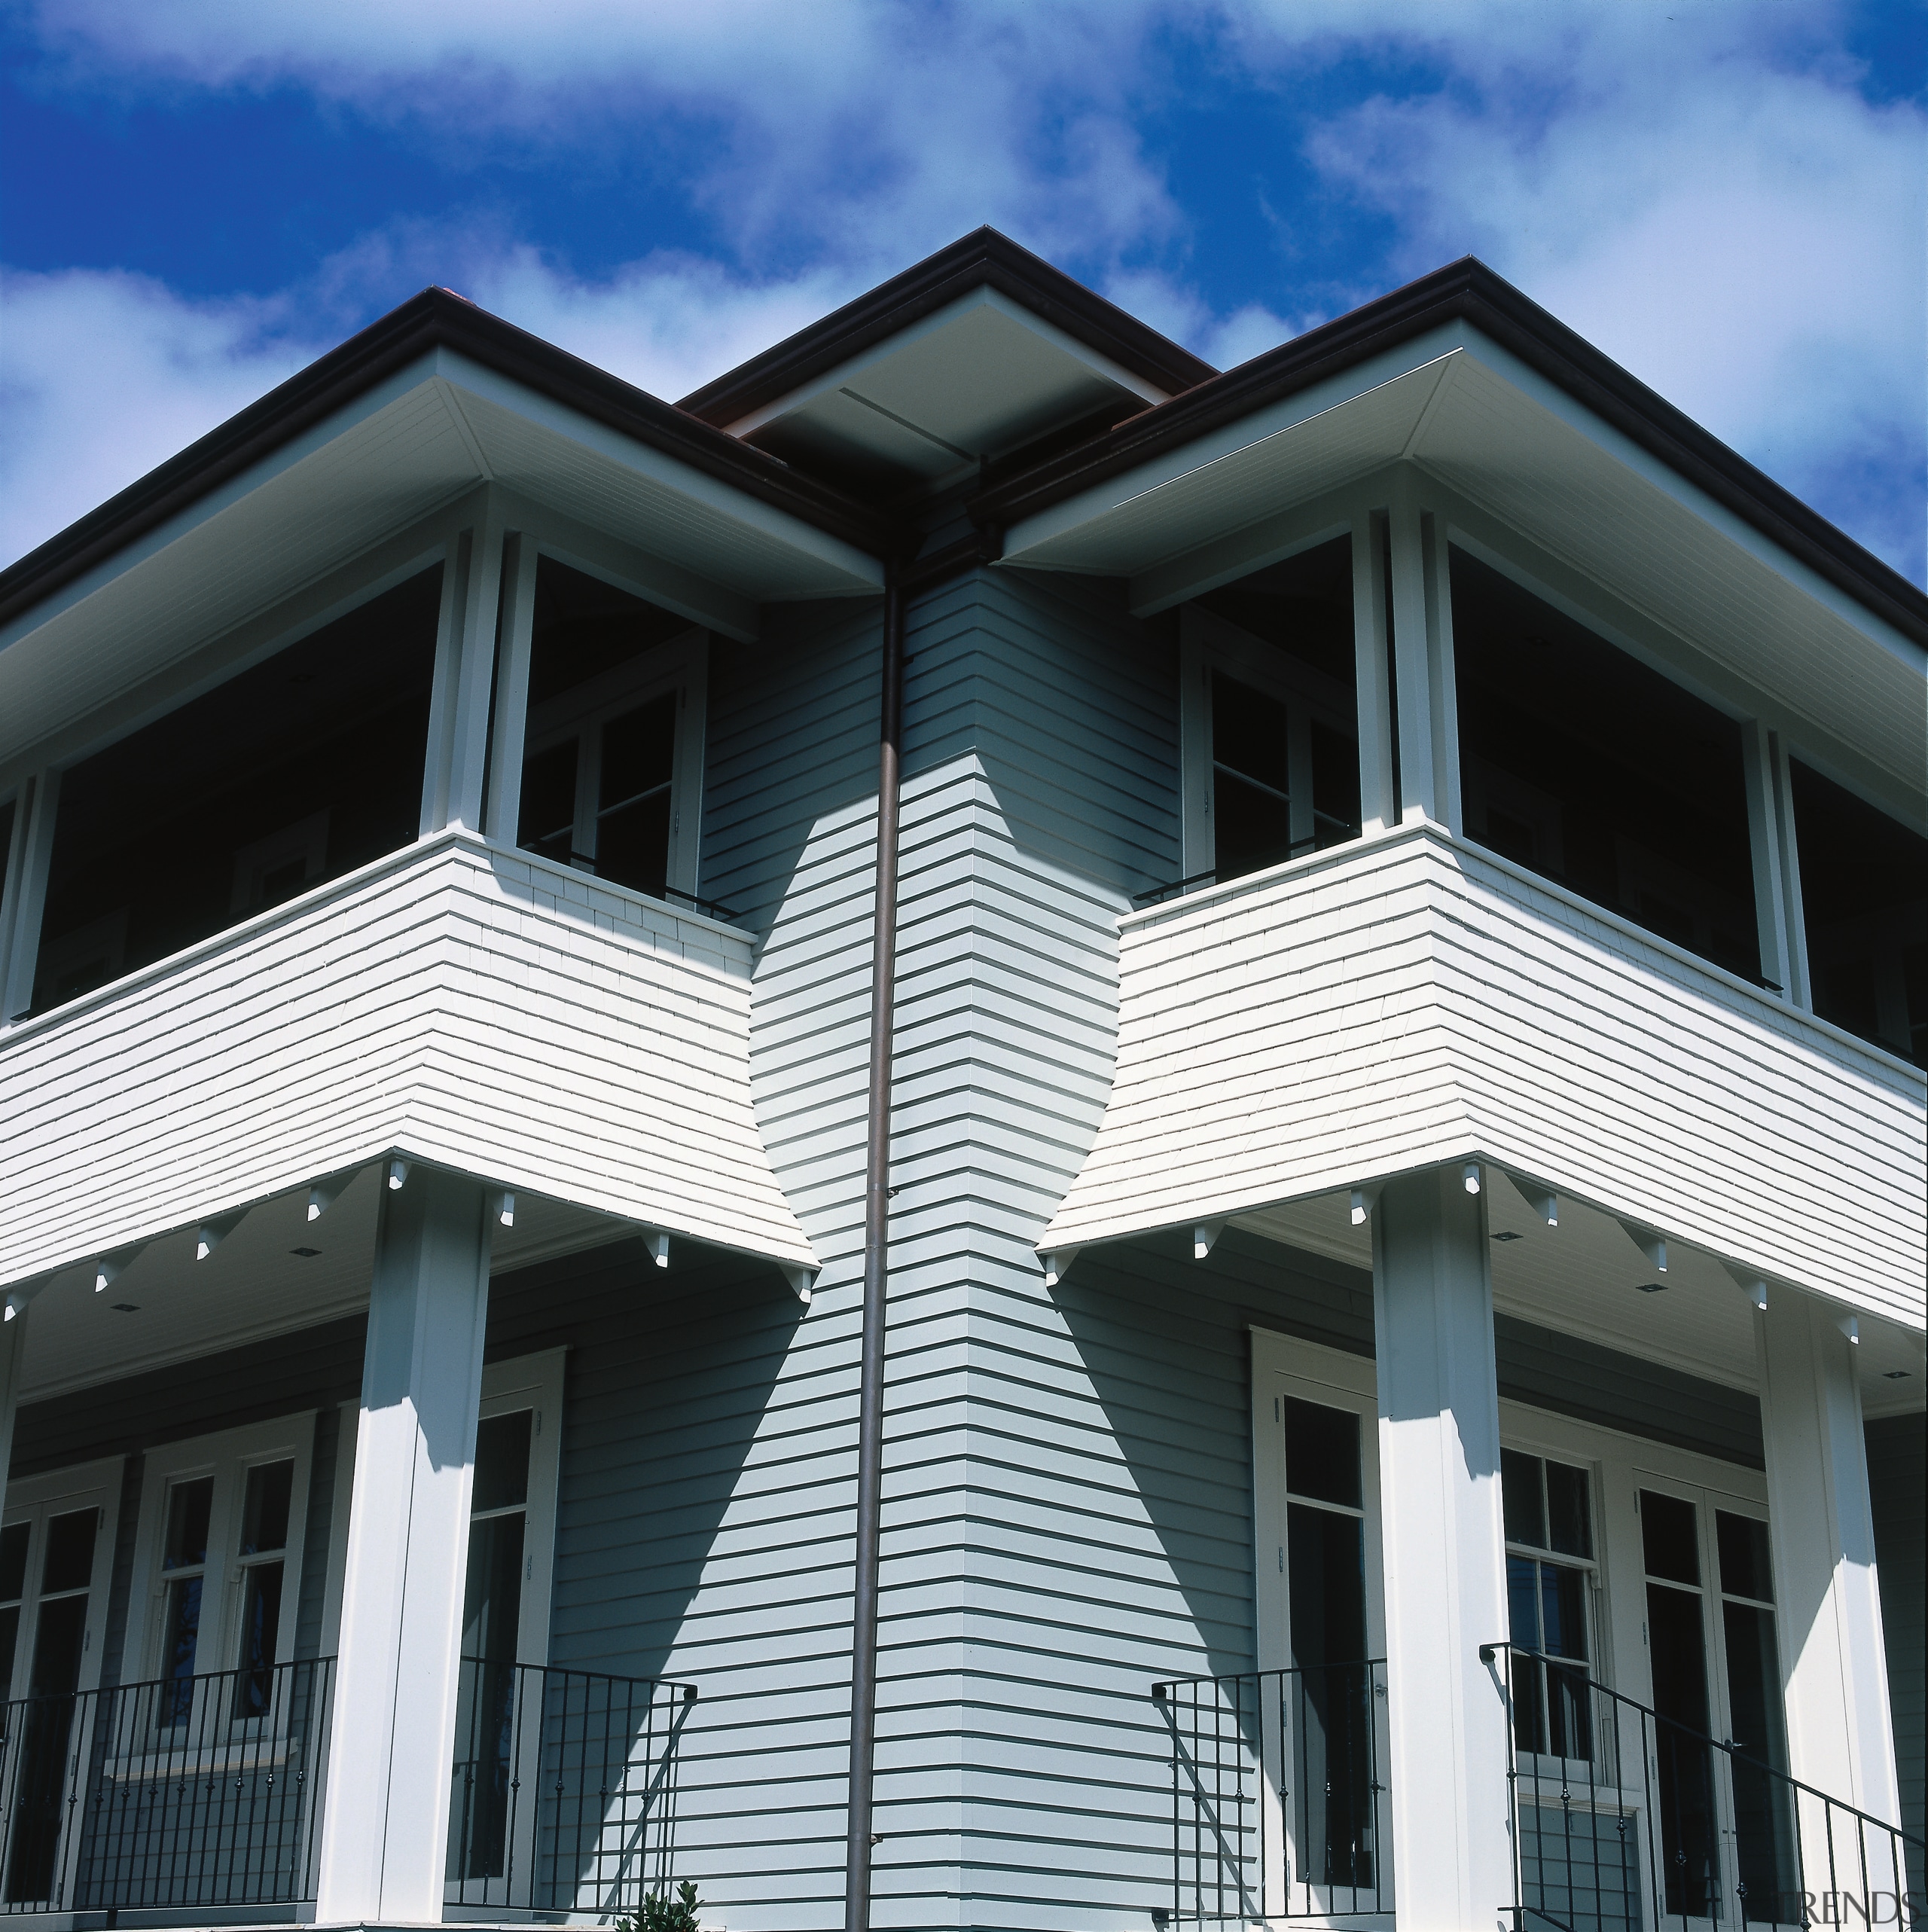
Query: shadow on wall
(1164, 1341)
(669, 1376)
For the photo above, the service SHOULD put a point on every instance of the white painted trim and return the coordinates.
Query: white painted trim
(513, 653)
(533, 1382)
(227, 1455)
(54, 1493)
(1378, 808)
(34, 841)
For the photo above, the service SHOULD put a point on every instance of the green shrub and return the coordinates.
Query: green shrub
(660, 1913)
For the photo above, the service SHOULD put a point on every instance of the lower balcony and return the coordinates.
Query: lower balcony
(208, 1794)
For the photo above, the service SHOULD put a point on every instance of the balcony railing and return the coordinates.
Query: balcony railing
(190, 1794)
(1622, 1819)
(564, 1796)
(1279, 1794)
(204, 1793)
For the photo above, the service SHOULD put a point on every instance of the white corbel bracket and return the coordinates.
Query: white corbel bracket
(501, 1207)
(397, 1175)
(1749, 1283)
(1205, 1238)
(1057, 1265)
(1470, 1174)
(1364, 1200)
(657, 1243)
(323, 1194)
(212, 1233)
(109, 1265)
(1542, 1200)
(20, 1298)
(1850, 1327)
(1653, 1246)
(802, 1280)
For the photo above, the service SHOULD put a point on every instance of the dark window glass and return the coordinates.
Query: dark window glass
(260, 1636)
(1864, 896)
(583, 628)
(1579, 762)
(1326, 1565)
(1520, 1499)
(60, 1636)
(1569, 1521)
(1303, 607)
(1251, 805)
(186, 1543)
(296, 770)
(1745, 1568)
(501, 1460)
(6, 810)
(632, 818)
(1562, 1610)
(264, 1508)
(69, 1560)
(1334, 785)
(1322, 1452)
(1669, 1536)
(9, 1638)
(180, 1640)
(1675, 1648)
(1764, 1826)
(493, 1598)
(14, 1561)
(548, 803)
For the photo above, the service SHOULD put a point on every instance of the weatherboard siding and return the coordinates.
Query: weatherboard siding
(474, 1007)
(1410, 1000)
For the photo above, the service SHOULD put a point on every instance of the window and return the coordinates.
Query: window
(220, 1557)
(1864, 896)
(1269, 716)
(1320, 1610)
(56, 1555)
(1549, 1579)
(1584, 765)
(613, 749)
(302, 767)
(1716, 1671)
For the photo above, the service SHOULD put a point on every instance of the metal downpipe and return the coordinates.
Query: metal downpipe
(876, 1255)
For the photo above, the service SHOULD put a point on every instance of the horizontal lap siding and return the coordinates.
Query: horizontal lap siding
(1410, 1002)
(478, 1012)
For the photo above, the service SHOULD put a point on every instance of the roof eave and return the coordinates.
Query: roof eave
(1468, 291)
(435, 319)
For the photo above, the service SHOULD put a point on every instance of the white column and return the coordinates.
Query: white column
(517, 625)
(1423, 654)
(1444, 1553)
(465, 674)
(13, 1348)
(26, 894)
(386, 1816)
(1828, 1604)
(1377, 807)
(1767, 835)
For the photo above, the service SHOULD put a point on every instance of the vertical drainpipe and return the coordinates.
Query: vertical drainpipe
(877, 1254)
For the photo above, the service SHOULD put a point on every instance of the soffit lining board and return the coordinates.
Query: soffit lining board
(1584, 1277)
(981, 376)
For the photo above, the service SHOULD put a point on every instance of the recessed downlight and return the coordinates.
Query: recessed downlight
(1507, 1234)
(306, 1254)
(1651, 1287)
(125, 1307)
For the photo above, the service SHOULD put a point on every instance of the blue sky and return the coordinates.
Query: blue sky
(197, 196)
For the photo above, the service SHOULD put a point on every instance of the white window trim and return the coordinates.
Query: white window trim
(1208, 642)
(96, 1483)
(227, 1456)
(679, 664)
(524, 1381)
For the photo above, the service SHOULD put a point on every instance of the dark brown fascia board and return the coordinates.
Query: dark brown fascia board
(983, 259)
(433, 319)
(1470, 291)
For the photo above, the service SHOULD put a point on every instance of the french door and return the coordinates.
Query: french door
(1724, 1832)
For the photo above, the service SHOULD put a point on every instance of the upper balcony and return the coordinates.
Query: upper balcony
(454, 1002)
(1411, 999)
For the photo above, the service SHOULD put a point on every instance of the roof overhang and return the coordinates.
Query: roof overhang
(366, 445)
(1765, 609)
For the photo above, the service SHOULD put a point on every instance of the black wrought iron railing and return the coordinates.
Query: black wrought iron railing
(564, 1795)
(187, 1792)
(1279, 1794)
(1623, 1819)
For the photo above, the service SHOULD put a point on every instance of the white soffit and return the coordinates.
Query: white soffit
(396, 454)
(1510, 442)
(981, 376)
(1585, 1278)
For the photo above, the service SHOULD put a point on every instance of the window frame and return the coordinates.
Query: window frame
(522, 1381)
(226, 1455)
(35, 1498)
(1208, 643)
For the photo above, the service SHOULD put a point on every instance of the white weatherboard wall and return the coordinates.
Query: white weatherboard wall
(1410, 1000)
(472, 1007)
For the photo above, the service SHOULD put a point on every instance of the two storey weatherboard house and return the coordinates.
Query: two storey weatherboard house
(990, 1133)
